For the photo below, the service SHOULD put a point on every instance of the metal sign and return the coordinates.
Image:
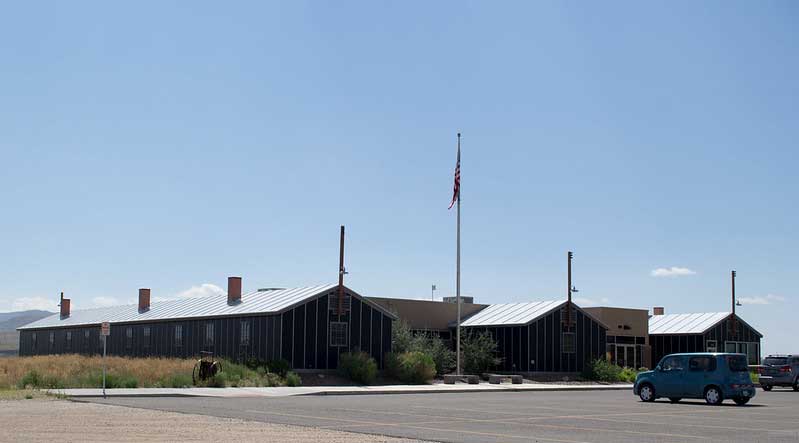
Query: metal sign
(105, 329)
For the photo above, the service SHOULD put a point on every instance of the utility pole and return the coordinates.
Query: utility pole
(569, 256)
(733, 274)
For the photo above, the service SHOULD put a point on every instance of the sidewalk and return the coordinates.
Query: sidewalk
(330, 390)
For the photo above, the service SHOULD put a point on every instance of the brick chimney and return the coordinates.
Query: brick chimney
(64, 306)
(658, 310)
(233, 290)
(144, 300)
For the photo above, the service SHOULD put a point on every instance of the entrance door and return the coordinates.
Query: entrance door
(625, 356)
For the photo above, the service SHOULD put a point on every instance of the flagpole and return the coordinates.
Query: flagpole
(458, 274)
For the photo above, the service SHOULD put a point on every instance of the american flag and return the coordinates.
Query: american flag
(457, 190)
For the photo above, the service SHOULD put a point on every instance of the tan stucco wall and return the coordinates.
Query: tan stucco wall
(636, 319)
(426, 314)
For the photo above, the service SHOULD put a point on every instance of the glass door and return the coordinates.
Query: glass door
(625, 356)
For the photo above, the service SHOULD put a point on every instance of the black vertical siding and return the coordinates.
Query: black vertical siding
(537, 347)
(665, 344)
(299, 335)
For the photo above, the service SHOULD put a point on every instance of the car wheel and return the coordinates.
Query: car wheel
(675, 399)
(740, 401)
(646, 392)
(713, 396)
(766, 388)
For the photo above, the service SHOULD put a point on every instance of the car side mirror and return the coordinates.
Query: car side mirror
(658, 368)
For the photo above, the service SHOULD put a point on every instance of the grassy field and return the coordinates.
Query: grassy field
(78, 371)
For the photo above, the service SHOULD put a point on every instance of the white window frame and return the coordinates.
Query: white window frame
(209, 334)
(346, 306)
(334, 342)
(178, 336)
(573, 348)
(244, 334)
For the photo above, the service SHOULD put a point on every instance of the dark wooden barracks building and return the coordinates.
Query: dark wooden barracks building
(309, 327)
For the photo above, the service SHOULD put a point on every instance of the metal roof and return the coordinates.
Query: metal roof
(254, 302)
(685, 323)
(509, 314)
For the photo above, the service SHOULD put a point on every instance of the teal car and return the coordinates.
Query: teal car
(712, 376)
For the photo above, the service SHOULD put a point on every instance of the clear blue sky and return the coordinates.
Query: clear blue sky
(172, 145)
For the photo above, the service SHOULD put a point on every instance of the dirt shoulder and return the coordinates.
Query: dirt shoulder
(46, 420)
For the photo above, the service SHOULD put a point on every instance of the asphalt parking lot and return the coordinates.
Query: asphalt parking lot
(586, 416)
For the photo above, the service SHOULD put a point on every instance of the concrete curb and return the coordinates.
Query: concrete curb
(466, 390)
(243, 393)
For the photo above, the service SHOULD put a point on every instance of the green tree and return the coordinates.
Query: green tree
(478, 352)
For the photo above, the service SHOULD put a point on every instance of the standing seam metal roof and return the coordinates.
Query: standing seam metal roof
(685, 323)
(508, 314)
(253, 302)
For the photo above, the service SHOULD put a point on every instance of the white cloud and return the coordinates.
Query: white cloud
(27, 303)
(761, 300)
(673, 271)
(102, 302)
(586, 302)
(204, 290)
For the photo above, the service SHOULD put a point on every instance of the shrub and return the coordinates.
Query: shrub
(412, 367)
(280, 367)
(292, 379)
(117, 381)
(176, 381)
(219, 380)
(31, 378)
(271, 379)
(602, 370)
(358, 366)
(628, 375)
(478, 351)
(403, 340)
(391, 368)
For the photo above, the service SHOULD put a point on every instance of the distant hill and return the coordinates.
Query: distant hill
(9, 322)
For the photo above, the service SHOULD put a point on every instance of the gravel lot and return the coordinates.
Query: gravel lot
(59, 420)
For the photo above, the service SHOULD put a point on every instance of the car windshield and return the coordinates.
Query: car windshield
(775, 361)
(737, 363)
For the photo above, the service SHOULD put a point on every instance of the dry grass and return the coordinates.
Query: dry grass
(83, 371)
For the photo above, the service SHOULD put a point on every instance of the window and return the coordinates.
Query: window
(86, 334)
(128, 337)
(672, 364)
(338, 333)
(568, 343)
(750, 349)
(704, 364)
(68, 340)
(146, 334)
(737, 363)
(245, 333)
(711, 346)
(52, 339)
(209, 334)
(775, 361)
(345, 305)
(33, 341)
(178, 335)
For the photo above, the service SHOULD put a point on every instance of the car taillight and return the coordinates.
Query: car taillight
(785, 369)
(760, 369)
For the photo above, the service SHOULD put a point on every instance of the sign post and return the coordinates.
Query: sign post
(105, 331)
